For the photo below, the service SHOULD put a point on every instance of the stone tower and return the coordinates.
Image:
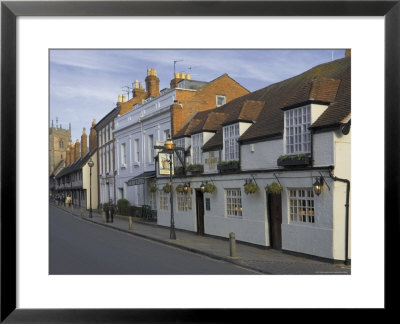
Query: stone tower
(58, 144)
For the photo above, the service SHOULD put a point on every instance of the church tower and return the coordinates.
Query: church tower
(58, 145)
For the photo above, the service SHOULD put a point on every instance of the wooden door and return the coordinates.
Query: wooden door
(275, 220)
(200, 212)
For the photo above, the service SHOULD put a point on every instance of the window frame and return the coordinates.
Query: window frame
(230, 210)
(297, 133)
(297, 204)
(218, 97)
(123, 154)
(137, 150)
(197, 143)
(231, 134)
(150, 155)
(182, 202)
(163, 199)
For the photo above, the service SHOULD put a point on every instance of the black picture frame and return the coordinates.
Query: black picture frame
(11, 10)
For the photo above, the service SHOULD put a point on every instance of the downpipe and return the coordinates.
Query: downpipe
(346, 261)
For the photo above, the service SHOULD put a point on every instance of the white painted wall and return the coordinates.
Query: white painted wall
(342, 151)
(323, 151)
(317, 111)
(207, 166)
(86, 182)
(265, 155)
(309, 238)
(151, 118)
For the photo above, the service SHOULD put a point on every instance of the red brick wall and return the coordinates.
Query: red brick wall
(190, 102)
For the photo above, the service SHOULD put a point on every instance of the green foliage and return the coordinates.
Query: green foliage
(273, 188)
(292, 157)
(209, 188)
(195, 167)
(233, 163)
(250, 188)
(167, 188)
(123, 205)
(152, 188)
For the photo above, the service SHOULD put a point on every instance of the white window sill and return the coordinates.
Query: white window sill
(233, 216)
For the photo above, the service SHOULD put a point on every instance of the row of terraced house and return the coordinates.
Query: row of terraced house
(271, 166)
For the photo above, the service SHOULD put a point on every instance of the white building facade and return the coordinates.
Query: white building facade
(291, 137)
(136, 133)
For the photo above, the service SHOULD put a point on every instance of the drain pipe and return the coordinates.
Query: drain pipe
(346, 261)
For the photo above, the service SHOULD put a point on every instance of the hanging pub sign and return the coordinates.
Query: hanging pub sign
(163, 164)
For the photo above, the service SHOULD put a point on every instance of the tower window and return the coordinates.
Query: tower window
(61, 144)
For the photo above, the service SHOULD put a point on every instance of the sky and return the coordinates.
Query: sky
(85, 84)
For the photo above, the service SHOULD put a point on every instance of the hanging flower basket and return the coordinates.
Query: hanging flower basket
(167, 188)
(250, 188)
(153, 188)
(210, 188)
(179, 188)
(273, 188)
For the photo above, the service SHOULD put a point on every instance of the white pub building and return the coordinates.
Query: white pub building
(272, 166)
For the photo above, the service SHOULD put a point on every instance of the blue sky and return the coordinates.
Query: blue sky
(84, 84)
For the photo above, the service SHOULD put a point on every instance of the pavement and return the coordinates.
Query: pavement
(258, 259)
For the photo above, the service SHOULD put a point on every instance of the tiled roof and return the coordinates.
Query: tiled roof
(78, 164)
(329, 82)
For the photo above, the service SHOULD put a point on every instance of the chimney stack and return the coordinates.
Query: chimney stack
(83, 142)
(152, 83)
(92, 137)
(177, 78)
(138, 89)
(119, 100)
(77, 150)
(70, 153)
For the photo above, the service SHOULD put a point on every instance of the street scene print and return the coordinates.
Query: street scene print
(260, 142)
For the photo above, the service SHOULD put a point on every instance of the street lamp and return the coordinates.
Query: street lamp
(170, 146)
(319, 182)
(90, 164)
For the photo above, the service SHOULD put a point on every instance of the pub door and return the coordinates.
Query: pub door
(275, 220)
(200, 212)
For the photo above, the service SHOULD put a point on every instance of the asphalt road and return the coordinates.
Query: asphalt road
(79, 247)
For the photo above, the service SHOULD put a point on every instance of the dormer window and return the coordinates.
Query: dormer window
(221, 100)
(181, 85)
(297, 134)
(231, 145)
(197, 143)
